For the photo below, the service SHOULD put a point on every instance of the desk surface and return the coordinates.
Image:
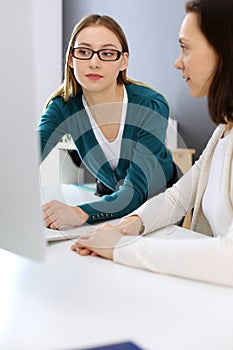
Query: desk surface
(73, 302)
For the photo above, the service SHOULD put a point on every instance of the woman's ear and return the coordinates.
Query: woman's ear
(125, 61)
(70, 61)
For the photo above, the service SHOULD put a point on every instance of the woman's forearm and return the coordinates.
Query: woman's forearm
(204, 259)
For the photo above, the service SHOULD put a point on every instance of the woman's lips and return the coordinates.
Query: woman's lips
(94, 76)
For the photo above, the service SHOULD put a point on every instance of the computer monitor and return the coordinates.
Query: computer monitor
(21, 227)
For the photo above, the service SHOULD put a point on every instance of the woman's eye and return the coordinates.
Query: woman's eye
(83, 52)
(107, 53)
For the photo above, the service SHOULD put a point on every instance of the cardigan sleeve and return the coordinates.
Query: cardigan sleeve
(52, 126)
(192, 255)
(147, 163)
(202, 258)
(170, 206)
(173, 204)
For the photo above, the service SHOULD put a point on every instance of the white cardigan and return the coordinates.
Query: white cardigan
(209, 259)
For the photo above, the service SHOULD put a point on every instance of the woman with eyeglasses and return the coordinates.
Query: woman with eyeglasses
(206, 63)
(118, 126)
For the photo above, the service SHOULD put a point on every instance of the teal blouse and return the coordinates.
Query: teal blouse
(145, 165)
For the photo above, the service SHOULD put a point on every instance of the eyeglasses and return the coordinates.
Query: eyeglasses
(84, 53)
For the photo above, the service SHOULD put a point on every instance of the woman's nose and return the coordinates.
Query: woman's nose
(95, 61)
(179, 63)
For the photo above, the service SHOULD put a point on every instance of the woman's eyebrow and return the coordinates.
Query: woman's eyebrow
(104, 45)
(84, 44)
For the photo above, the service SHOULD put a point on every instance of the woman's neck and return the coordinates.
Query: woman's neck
(114, 94)
(228, 128)
(106, 108)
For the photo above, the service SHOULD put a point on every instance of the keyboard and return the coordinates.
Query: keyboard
(66, 233)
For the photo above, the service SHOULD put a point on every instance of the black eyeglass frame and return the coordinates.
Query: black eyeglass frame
(119, 54)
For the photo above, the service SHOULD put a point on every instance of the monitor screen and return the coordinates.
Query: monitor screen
(22, 230)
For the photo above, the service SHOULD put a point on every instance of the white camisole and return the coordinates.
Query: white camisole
(213, 204)
(111, 149)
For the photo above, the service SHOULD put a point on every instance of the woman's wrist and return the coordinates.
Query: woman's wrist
(132, 223)
(81, 214)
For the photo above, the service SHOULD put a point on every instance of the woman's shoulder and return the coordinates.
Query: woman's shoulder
(142, 89)
(143, 94)
(73, 104)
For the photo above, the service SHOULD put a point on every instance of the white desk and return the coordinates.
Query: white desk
(72, 302)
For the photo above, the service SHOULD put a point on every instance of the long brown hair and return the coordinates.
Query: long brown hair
(216, 23)
(70, 86)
